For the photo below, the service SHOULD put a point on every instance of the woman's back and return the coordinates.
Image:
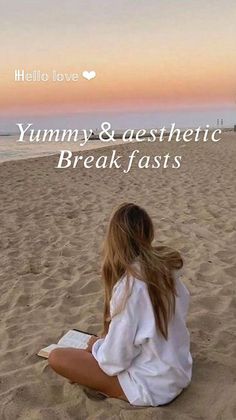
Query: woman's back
(150, 369)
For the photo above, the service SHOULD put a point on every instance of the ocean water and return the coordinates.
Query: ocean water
(11, 149)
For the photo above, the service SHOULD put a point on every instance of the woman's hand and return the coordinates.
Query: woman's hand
(91, 342)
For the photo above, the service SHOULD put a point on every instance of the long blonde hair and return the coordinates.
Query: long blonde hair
(129, 238)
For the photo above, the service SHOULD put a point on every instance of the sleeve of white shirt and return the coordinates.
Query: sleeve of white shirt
(115, 352)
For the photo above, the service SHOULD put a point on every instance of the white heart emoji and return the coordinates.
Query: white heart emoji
(89, 75)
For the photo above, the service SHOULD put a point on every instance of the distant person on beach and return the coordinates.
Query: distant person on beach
(143, 354)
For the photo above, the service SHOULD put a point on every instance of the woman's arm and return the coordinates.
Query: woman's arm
(116, 351)
(91, 342)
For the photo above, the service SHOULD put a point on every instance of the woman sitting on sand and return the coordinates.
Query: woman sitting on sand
(143, 355)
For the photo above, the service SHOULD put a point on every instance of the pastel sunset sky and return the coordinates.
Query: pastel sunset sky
(149, 55)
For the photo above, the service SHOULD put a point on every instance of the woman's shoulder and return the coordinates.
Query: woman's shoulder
(135, 283)
(127, 291)
(128, 285)
(180, 285)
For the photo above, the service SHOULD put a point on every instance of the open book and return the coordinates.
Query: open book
(73, 338)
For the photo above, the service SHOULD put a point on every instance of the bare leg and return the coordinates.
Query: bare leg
(79, 366)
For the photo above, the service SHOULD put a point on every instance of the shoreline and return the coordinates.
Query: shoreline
(73, 147)
(56, 152)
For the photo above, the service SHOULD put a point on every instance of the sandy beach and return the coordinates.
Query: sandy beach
(52, 224)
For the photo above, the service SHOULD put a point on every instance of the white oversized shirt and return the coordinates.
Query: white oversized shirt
(151, 370)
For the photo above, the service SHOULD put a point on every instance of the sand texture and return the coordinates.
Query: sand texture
(51, 227)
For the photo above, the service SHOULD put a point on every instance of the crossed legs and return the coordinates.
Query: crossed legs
(79, 366)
